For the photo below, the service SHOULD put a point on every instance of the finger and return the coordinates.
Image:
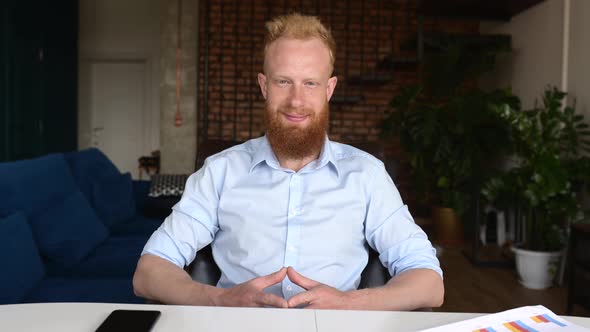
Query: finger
(272, 279)
(300, 280)
(304, 298)
(272, 300)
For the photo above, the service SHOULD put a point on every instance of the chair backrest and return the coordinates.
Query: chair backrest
(205, 270)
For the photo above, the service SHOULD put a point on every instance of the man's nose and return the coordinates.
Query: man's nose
(296, 97)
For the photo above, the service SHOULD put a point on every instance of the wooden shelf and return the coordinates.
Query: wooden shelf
(497, 10)
(370, 79)
(436, 41)
(346, 100)
(395, 63)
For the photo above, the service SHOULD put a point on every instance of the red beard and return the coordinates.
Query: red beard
(292, 141)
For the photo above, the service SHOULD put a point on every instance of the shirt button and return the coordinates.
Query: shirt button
(289, 287)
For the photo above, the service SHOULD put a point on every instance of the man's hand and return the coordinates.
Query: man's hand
(317, 295)
(250, 293)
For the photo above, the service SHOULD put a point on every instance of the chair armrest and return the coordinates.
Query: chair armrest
(159, 207)
(204, 269)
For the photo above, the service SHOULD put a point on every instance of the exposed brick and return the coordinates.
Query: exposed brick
(365, 34)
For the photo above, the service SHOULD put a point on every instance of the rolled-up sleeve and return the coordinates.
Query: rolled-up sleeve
(391, 230)
(193, 222)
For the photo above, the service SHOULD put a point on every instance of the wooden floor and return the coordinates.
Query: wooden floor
(486, 290)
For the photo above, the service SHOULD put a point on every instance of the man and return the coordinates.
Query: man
(288, 214)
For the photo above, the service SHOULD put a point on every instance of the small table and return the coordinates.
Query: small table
(149, 164)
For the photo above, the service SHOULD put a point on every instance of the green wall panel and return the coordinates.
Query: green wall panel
(39, 78)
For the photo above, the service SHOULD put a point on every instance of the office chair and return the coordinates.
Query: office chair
(205, 270)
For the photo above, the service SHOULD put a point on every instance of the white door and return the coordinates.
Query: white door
(117, 98)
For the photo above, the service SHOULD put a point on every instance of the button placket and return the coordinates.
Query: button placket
(293, 231)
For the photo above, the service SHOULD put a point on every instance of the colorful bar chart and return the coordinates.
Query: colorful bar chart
(547, 319)
(523, 319)
(489, 329)
(520, 326)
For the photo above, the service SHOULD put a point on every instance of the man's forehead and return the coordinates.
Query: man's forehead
(288, 45)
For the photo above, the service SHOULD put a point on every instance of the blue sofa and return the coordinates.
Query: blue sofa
(71, 229)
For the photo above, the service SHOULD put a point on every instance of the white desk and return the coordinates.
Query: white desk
(79, 317)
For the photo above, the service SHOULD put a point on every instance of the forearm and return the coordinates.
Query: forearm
(413, 289)
(158, 279)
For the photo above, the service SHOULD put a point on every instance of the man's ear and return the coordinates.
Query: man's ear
(262, 84)
(331, 86)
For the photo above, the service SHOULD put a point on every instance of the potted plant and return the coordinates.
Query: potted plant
(451, 145)
(449, 131)
(549, 168)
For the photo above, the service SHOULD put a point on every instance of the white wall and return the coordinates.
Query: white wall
(145, 31)
(537, 59)
(178, 144)
(579, 56)
(551, 44)
(119, 31)
(579, 69)
(551, 47)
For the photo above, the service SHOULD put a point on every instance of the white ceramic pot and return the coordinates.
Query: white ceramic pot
(537, 269)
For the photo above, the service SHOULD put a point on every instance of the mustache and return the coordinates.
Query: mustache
(294, 111)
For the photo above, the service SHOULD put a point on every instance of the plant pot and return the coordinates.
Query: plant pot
(448, 229)
(537, 269)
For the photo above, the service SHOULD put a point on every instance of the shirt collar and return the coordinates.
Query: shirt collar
(327, 156)
(265, 153)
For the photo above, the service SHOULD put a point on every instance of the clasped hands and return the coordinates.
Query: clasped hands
(315, 296)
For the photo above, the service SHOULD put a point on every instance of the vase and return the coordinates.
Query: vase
(448, 229)
(537, 269)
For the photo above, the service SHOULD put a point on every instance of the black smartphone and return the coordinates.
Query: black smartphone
(129, 321)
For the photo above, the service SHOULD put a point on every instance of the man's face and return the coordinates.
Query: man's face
(297, 87)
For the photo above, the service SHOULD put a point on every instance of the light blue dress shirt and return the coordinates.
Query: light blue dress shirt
(261, 217)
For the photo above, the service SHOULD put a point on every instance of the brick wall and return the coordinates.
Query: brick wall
(367, 33)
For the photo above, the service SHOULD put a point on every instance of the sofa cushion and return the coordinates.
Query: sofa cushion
(167, 185)
(33, 185)
(88, 167)
(141, 189)
(67, 231)
(114, 200)
(114, 258)
(22, 268)
(84, 290)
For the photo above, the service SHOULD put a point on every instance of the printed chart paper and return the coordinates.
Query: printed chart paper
(523, 319)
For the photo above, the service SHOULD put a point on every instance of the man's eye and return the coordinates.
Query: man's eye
(311, 84)
(282, 82)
